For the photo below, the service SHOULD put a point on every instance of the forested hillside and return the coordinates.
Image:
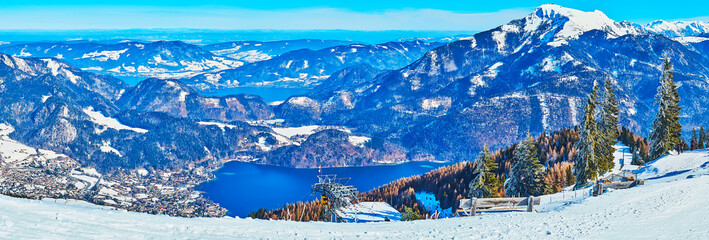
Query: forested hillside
(451, 183)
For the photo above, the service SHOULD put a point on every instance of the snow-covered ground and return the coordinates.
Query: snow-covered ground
(369, 212)
(671, 207)
(292, 131)
(285, 135)
(622, 151)
(670, 165)
(12, 150)
(99, 118)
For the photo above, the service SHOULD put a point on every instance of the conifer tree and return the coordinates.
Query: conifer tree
(569, 177)
(666, 130)
(608, 127)
(485, 183)
(526, 176)
(702, 138)
(410, 215)
(695, 139)
(586, 165)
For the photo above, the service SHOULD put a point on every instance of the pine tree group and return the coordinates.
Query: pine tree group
(666, 130)
(699, 140)
(586, 165)
(608, 128)
(485, 183)
(526, 176)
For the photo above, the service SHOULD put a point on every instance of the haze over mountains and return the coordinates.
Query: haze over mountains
(409, 100)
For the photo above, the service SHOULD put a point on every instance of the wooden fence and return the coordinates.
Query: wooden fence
(468, 207)
(601, 187)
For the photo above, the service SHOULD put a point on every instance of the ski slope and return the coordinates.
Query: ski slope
(668, 206)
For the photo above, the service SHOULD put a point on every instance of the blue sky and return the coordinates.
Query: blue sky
(468, 15)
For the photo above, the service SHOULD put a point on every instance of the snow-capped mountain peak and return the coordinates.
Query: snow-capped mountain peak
(555, 11)
(678, 28)
(566, 23)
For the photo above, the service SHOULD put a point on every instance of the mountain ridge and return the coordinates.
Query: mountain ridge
(496, 86)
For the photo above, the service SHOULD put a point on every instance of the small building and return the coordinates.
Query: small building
(623, 176)
(368, 212)
(614, 181)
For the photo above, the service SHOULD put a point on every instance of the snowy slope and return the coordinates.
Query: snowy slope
(688, 162)
(369, 212)
(663, 208)
(100, 119)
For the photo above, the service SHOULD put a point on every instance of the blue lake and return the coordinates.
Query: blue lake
(245, 187)
(269, 94)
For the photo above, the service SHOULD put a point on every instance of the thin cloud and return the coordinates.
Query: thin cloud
(248, 19)
(703, 19)
(646, 21)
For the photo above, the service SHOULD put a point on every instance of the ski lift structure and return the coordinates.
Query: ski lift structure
(335, 194)
(342, 205)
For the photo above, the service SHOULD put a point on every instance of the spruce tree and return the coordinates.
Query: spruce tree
(477, 185)
(586, 165)
(485, 183)
(526, 176)
(666, 130)
(608, 127)
(695, 139)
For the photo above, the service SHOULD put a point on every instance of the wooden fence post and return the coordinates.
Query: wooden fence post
(529, 204)
(475, 207)
(600, 189)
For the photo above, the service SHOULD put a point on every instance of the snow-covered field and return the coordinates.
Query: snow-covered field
(671, 207)
(108, 122)
(292, 131)
(12, 150)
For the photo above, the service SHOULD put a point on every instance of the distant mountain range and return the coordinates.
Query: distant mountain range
(369, 104)
(164, 124)
(307, 68)
(130, 59)
(177, 99)
(527, 76)
(102, 122)
(254, 51)
(677, 28)
(219, 65)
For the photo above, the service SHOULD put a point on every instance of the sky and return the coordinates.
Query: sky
(368, 15)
